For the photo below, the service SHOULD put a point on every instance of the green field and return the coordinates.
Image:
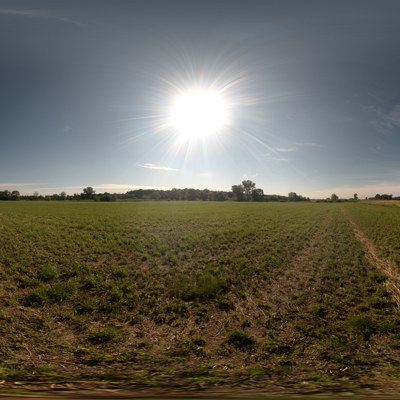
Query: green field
(201, 294)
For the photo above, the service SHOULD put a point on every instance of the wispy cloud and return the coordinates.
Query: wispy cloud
(152, 166)
(278, 159)
(287, 150)
(117, 186)
(16, 184)
(309, 144)
(385, 122)
(67, 128)
(38, 14)
(253, 176)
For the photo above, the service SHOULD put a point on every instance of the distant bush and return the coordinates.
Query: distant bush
(108, 197)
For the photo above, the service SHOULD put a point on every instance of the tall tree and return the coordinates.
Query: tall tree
(238, 191)
(257, 194)
(248, 187)
(191, 194)
(155, 195)
(219, 196)
(292, 196)
(355, 196)
(88, 192)
(334, 197)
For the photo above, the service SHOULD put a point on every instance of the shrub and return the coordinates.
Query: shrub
(276, 346)
(54, 294)
(378, 302)
(377, 276)
(121, 273)
(201, 286)
(105, 335)
(193, 344)
(224, 303)
(47, 273)
(382, 291)
(240, 338)
(88, 306)
(362, 324)
(38, 297)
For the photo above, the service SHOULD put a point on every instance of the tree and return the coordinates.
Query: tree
(257, 194)
(191, 194)
(238, 191)
(204, 194)
(292, 196)
(248, 187)
(355, 196)
(35, 195)
(108, 197)
(155, 195)
(15, 195)
(6, 195)
(219, 196)
(334, 197)
(63, 195)
(88, 192)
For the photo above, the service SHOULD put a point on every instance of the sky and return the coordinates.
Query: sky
(310, 92)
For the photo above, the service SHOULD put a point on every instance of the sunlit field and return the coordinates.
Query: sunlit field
(284, 296)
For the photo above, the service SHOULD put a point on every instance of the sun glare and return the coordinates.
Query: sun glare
(198, 114)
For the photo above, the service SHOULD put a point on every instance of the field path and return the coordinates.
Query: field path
(383, 264)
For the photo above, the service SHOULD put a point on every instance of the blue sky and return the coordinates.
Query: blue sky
(311, 90)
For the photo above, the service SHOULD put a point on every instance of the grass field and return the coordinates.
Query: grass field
(297, 296)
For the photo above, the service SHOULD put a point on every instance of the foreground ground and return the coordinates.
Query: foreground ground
(212, 297)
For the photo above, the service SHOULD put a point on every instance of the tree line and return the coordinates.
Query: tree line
(245, 191)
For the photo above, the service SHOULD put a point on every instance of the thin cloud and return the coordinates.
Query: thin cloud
(38, 14)
(287, 150)
(384, 123)
(309, 144)
(67, 128)
(117, 186)
(278, 159)
(253, 176)
(159, 167)
(16, 184)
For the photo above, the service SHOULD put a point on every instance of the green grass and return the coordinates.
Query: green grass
(280, 290)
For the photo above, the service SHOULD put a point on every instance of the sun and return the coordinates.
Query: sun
(198, 114)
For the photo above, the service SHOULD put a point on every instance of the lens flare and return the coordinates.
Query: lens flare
(198, 114)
